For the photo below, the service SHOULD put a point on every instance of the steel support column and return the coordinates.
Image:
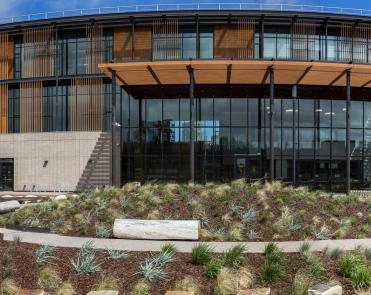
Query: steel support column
(116, 138)
(348, 97)
(294, 112)
(192, 124)
(271, 127)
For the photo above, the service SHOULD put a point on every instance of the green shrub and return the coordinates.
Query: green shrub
(140, 288)
(357, 269)
(117, 254)
(348, 262)
(335, 253)
(107, 284)
(43, 254)
(273, 268)
(201, 254)
(213, 267)
(8, 287)
(361, 276)
(169, 248)
(234, 256)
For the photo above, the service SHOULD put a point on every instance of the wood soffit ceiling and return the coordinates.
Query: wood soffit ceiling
(238, 72)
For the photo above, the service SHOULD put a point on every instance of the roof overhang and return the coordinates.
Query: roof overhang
(238, 72)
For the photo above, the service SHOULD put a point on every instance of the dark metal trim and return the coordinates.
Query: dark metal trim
(348, 106)
(192, 123)
(271, 123)
(229, 74)
(294, 107)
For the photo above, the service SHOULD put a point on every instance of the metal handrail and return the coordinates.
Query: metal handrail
(187, 6)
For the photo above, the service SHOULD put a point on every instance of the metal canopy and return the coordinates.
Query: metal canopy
(238, 72)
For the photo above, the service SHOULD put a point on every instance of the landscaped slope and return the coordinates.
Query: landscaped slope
(237, 211)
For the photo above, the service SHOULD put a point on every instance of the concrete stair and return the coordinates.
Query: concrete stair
(97, 172)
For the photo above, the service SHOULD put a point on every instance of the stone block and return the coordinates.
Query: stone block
(108, 292)
(9, 206)
(258, 291)
(323, 289)
(179, 293)
(31, 292)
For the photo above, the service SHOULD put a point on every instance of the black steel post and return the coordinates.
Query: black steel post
(348, 97)
(271, 127)
(116, 138)
(191, 125)
(261, 38)
(294, 112)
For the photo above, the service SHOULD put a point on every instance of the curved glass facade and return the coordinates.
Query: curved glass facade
(232, 136)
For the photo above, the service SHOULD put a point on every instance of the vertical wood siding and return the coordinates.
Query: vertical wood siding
(303, 40)
(6, 56)
(4, 108)
(168, 42)
(235, 41)
(87, 104)
(30, 106)
(38, 53)
(95, 47)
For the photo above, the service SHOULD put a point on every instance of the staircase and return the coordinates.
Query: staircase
(97, 172)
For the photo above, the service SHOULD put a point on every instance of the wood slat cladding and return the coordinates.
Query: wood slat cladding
(346, 37)
(303, 40)
(362, 43)
(95, 47)
(87, 104)
(6, 56)
(168, 42)
(123, 44)
(236, 41)
(38, 53)
(30, 106)
(4, 108)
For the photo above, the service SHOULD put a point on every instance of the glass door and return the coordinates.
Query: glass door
(6, 174)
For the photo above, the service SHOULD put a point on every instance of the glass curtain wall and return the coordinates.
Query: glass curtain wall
(232, 139)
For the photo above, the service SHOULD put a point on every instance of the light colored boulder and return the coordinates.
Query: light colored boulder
(6, 197)
(323, 289)
(156, 229)
(29, 197)
(31, 292)
(258, 291)
(9, 206)
(179, 293)
(108, 292)
(60, 197)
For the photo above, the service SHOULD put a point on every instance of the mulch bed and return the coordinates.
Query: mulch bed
(24, 270)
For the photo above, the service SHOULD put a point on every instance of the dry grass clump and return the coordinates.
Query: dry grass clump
(107, 284)
(188, 284)
(49, 279)
(8, 287)
(65, 289)
(141, 288)
(230, 281)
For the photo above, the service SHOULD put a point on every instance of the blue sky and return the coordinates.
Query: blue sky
(20, 7)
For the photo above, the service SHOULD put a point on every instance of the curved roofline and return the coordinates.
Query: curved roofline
(188, 7)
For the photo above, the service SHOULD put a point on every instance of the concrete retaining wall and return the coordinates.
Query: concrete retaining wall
(67, 154)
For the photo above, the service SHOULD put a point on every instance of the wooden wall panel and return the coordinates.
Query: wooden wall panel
(143, 43)
(38, 53)
(30, 107)
(6, 56)
(95, 48)
(303, 40)
(4, 108)
(235, 41)
(87, 104)
(122, 44)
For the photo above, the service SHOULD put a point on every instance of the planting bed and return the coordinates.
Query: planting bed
(18, 263)
(228, 212)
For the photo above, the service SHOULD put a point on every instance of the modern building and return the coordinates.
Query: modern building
(185, 94)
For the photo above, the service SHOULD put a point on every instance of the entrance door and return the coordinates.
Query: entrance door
(6, 174)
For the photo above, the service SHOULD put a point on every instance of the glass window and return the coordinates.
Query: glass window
(253, 141)
(306, 142)
(222, 111)
(206, 42)
(356, 114)
(287, 112)
(356, 142)
(324, 112)
(306, 112)
(324, 142)
(253, 112)
(205, 114)
(239, 112)
(367, 116)
(338, 142)
(239, 140)
(13, 110)
(171, 112)
(339, 113)
(153, 112)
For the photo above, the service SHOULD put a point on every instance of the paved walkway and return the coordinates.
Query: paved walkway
(182, 246)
